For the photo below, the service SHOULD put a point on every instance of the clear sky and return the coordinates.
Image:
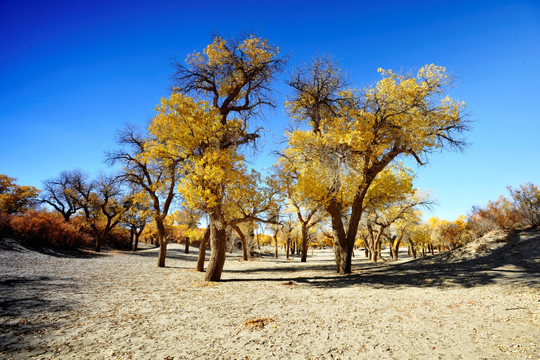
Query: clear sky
(72, 73)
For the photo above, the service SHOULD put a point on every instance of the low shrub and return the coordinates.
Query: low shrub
(41, 228)
(5, 226)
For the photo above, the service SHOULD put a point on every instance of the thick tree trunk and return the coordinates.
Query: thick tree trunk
(186, 250)
(304, 243)
(343, 246)
(342, 249)
(244, 248)
(343, 259)
(375, 254)
(202, 250)
(218, 241)
(162, 242)
(98, 244)
(136, 241)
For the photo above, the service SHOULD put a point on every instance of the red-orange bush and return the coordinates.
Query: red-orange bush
(42, 228)
(118, 238)
(499, 214)
(5, 225)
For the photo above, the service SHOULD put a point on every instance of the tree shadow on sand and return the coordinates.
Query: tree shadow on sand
(175, 253)
(517, 262)
(23, 300)
(7, 244)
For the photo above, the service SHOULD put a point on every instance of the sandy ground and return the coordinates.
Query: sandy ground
(119, 305)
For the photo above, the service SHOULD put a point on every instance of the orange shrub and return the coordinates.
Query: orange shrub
(5, 225)
(499, 214)
(118, 238)
(42, 228)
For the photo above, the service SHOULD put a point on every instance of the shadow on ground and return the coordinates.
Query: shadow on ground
(22, 302)
(517, 262)
(7, 244)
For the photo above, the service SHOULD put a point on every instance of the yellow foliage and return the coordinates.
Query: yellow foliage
(399, 115)
(254, 52)
(193, 130)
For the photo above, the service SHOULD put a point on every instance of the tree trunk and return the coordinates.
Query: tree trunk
(412, 249)
(243, 240)
(251, 240)
(186, 250)
(342, 247)
(131, 237)
(375, 254)
(162, 242)
(98, 245)
(376, 250)
(343, 259)
(396, 242)
(304, 243)
(136, 242)
(276, 243)
(202, 250)
(244, 248)
(218, 241)
(99, 236)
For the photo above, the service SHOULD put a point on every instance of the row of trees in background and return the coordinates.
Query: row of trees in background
(340, 175)
(520, 210)
(92, 208)
(393, 225)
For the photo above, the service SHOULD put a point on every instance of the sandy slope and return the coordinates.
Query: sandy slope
(121, 306)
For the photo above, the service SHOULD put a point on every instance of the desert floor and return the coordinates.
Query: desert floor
(119, 305)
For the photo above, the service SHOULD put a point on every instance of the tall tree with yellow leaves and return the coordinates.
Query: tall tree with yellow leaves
(231, 80)
(354, 135)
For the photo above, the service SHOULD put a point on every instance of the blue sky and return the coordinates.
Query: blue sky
(74, 72)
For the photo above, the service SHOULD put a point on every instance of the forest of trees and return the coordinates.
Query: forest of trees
(340, 180)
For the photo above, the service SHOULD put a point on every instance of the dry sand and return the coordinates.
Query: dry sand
(119, 305)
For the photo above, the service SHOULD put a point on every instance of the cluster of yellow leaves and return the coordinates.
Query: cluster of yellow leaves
(13, 197)
(193, 131)
(448, 233)
(415, 107)
(253, 51)
(184, 126)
